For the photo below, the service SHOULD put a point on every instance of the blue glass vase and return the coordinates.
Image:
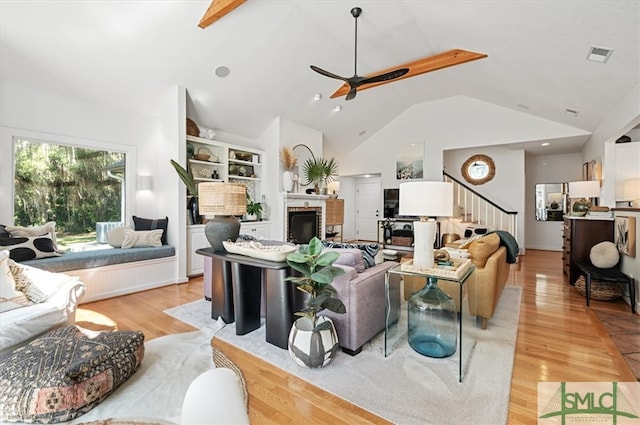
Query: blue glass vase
(433, 319)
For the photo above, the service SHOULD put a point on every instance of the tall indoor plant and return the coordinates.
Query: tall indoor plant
(313, 341)
(192, 187)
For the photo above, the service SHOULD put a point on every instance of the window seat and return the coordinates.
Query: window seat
(99, 258)
(113, 272)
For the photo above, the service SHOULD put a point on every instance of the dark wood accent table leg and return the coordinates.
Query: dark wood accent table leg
(280, 307)
(221, 291)
(247, 284)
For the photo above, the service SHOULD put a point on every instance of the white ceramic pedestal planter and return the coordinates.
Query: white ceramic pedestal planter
(311, 348)
(287, 181)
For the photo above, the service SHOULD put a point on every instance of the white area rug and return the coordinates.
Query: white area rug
(407, 388)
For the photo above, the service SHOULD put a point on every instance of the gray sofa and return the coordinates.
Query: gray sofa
(363, 294)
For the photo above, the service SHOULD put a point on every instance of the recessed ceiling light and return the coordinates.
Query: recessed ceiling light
(222, 71)
(599, 54)
(571, 112)
(338, 108)
(545, 144)
(317, 96)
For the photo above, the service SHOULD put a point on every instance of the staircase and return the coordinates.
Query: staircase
(476, 210)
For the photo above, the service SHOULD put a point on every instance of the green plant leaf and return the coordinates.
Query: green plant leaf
(315, 246)
(187, 177)
(327, 258)
(323, 276)
(335, 305)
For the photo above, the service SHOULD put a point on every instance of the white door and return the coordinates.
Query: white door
(367, 209)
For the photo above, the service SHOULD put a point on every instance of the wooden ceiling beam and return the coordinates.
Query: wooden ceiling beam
(420, 66)
(217, 10)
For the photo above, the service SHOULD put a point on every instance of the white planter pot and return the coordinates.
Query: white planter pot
(287, 181)
(312, 348)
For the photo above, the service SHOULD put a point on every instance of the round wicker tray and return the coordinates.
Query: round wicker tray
(604, 291)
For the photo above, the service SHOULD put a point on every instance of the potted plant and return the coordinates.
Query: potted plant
(313, 341)
(254, 209)
(192, 187)
(320, 171)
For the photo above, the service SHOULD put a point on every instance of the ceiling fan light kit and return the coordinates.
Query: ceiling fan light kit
(431, 63)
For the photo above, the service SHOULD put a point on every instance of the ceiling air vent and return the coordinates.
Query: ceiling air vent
(599, 54)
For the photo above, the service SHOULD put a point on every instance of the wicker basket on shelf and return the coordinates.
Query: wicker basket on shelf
(605, 291)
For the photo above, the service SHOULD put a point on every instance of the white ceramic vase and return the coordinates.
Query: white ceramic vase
(312, 348)
(287, 181)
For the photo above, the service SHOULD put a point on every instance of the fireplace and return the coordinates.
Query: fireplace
(303, 225)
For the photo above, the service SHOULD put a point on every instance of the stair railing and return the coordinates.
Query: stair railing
(479, 210)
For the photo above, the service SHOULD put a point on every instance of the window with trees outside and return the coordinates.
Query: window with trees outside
(74, 186)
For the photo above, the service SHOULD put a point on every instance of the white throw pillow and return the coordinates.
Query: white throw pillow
(604, 255)
(10, 298)
(115, 237)
(25, 232)
(142, 238)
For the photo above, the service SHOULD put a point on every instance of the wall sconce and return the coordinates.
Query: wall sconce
(145, 182)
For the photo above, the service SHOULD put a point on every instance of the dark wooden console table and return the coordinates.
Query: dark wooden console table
(236, 292)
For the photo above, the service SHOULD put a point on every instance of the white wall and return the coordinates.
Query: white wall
(601, 145)
(507, 188)
(627, 164)
(547, 235)
(37, 113)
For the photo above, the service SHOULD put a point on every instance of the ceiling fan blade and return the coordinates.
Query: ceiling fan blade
(217, 9)
(327, 73)
(421, 66)
(386, 76)
(351, 94)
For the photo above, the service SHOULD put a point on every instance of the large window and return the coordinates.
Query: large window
(75, 187)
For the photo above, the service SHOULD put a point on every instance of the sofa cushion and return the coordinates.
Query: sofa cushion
(115, 236)
(482, 248)
(369, 251)
(10, 297)
(48, 228)
(350, 257)
(140, 223)
(29, 248)
(142, 238)
(65, 373)
(25, 283)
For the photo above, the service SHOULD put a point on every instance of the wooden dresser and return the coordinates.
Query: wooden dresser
(335, 214)
(579, 235)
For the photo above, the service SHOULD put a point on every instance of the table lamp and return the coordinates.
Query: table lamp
(224, 201)
(427, 200)
(333, 188)
(583, 191)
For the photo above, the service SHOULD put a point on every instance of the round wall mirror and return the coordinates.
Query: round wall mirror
(478, 169)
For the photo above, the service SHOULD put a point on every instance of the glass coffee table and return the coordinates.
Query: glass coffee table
(401, 282)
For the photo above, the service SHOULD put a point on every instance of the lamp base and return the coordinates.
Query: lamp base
(580, 207)
(220, 229)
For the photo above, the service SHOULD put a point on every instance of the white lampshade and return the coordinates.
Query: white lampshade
(584, 189)
(631, 190)
(145, 182)
(334, 186)
(426, 199)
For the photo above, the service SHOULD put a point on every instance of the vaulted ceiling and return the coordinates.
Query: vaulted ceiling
(128, 54)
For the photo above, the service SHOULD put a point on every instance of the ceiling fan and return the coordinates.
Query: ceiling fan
(409, 69)
(356, 81)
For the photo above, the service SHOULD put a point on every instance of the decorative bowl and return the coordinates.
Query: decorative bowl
(202, 156)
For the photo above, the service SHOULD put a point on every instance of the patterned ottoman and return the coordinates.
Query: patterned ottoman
(65, 373)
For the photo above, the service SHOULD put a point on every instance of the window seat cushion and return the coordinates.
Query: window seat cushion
(101, 257)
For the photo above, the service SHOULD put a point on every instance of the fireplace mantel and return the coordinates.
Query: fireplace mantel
(305, 196)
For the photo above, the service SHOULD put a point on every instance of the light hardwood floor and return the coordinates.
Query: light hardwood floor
(559, 339)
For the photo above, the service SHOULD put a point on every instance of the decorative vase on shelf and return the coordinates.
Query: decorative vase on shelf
(287, 181)
(432, 321)
(194, 214)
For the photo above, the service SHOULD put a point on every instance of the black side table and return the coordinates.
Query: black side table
(607, 275)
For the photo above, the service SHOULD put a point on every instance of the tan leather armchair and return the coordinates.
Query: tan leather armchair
(492, 271)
